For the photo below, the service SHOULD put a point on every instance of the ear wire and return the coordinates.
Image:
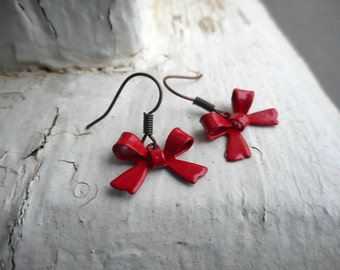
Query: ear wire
(198, 101)
(148, 117)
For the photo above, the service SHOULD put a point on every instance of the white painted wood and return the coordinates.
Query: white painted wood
(277, 210)
(62, 34)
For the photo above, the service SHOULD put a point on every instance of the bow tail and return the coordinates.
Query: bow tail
(132, 179)
(237, 147)
(264, 118)
(191, 172)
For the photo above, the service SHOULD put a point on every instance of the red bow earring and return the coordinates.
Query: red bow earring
(218, 123)
(129, 147)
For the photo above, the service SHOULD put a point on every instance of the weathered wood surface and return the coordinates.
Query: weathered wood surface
(61, 34)
(277, 210)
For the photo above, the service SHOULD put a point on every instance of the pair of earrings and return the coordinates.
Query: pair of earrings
(216, 123)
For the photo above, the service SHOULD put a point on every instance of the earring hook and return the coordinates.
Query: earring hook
(180, 77)
(160, 98)
(148, 117)
(200, 102)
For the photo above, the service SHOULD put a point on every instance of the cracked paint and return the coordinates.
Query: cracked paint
(45, 137)
(264, 214)
(46, 35)
(20, 6)
(243, 17)
(15, 234)
(49, 22)
(81, 189)
(109, 18)
(75, 168)
(92, 198)
(3, 155)
(23, 11)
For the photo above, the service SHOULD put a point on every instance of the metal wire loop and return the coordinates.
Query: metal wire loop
(204, 104)
(198, 101)
(148, 128)
(160, 98)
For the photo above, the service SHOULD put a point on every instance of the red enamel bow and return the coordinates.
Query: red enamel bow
(130, 147)
(232, 125)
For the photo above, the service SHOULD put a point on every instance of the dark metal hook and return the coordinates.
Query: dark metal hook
(120, 90)
(200, 102)
(180, 77)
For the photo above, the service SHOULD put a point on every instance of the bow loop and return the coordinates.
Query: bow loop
(177, 143)
(129, 147)
(242, 100)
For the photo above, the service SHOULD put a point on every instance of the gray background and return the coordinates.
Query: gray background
(313, 27)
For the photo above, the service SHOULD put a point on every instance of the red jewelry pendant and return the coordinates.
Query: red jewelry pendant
(130, 147)
(232, 124)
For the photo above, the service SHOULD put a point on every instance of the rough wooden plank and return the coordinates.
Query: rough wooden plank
(277, 210)
(62, 34)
